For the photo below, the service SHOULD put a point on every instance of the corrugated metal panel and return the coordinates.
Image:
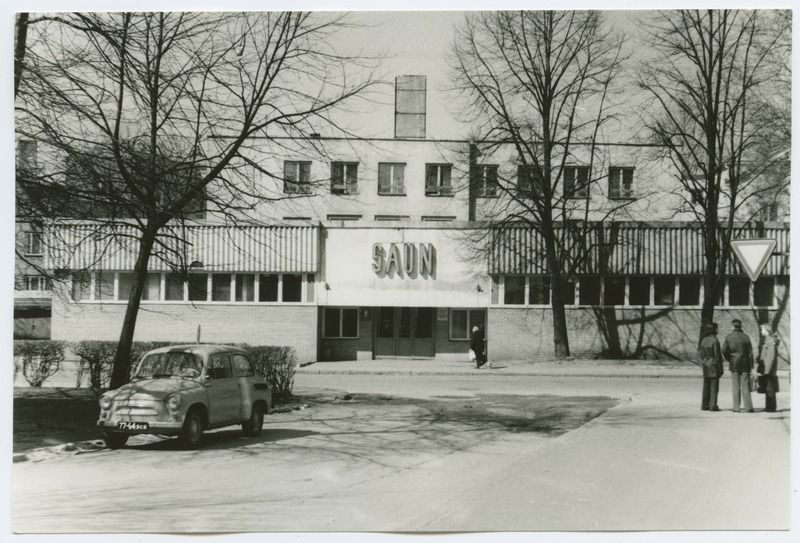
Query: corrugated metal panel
(248, 248)
(627, 248)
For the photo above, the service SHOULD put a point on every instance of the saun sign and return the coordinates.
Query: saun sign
(410, 260)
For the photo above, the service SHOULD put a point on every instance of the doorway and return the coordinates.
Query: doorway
(405, 332)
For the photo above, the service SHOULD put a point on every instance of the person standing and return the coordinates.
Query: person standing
(710, 356)
(476, 344)
(738, 351)
(769, 359)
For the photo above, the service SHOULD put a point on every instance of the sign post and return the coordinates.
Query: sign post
(753, 254)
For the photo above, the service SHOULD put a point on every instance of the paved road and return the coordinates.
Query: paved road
(653, 462)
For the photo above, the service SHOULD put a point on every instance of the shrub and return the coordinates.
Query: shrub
(39, 359)
(277, 365)
(97, 359)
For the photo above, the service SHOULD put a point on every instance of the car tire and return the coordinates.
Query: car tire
(252, 427)
(191, 434)
(115, 440)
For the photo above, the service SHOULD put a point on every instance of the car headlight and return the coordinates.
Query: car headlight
(173, 402)
(105, 403)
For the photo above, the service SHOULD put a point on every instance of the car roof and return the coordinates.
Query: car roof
(201, 349)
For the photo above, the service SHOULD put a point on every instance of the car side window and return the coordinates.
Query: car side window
(242, 366)
(219, 366)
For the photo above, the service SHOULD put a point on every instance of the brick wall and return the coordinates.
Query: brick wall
(524, 334)
(290, 325)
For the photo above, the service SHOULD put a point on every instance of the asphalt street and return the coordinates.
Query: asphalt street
(652, 462)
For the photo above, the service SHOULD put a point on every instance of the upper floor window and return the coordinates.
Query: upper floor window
(576, 181)
(344, 178)
(33, 243)
(27, 156)
(297, 177)
(391, 178)
(437, 180)
(35, 282)
(529, 180)
(620, 182)
(486, 180)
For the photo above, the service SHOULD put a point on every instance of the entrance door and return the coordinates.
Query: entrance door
(405, 332)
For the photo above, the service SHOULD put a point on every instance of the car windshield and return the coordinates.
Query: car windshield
(175, 364)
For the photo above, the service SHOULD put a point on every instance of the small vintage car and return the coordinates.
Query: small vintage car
(184, 390)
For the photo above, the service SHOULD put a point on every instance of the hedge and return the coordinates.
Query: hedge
(37, 360)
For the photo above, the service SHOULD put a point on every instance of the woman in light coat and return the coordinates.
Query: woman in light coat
(769, 358)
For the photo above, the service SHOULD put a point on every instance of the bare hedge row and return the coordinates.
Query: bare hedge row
(40, 360)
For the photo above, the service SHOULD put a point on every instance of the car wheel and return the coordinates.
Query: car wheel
(252, 427)
(191, 434)
(114, 440)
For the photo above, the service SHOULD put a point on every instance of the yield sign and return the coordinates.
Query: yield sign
(753, 254)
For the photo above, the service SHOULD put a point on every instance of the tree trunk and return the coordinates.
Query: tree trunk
(560, 335)
(119, 375)
(19, 49)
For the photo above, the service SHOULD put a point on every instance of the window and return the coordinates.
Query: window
(486, 180)
(292, 288)
(463, 320)
(768, 212)
(664, 290)
(27, 157)
(344, 178)
(340, 322)
(297, 177)
(437, 180)
(33, 243)
(311, 281)
(639, 290)
(198, 287)
(391, 179)
(219, 366)
(539, 290)
(764, 292)
(104, 285)
(529, 180)
(242, 366)
(391, 217)
(220, 287)
(245, 285)
(152, 287)
(738, 291)
(344, 217)
(35, 282)
(124, 285)
(437, 218)
(614, 291)
(576, 181)
(589, 293)
(173, 287)
(81, 286)
(514, 290)
(689, 291)
(267, 288)
(620, 183)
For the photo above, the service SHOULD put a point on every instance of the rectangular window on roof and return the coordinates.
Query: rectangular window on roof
(221, 287)
(639, 290)
(539, 290)
(198, 287)
(620, 183)
(738, 291)
(614, 291)
(344, 178)
(437, 180)
(391, 179)
(576, 181)
(589, 292)
(764, 292)
(152, 287)
(297, 177)
(664, 290)
(689, 290)
(245, 287)
(173, 287)
(104, 283)
(268, 288)
(292, 287)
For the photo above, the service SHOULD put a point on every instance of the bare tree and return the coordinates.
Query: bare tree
(708, 86)
(541, 83)
(148, 118)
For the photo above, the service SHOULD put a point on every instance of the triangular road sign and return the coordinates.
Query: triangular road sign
(753, 254)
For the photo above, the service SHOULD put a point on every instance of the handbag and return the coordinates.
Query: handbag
(762, 384)
(760, 367)
(752, 382)
(472, 356)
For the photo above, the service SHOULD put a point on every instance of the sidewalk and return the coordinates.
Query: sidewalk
(547, 368)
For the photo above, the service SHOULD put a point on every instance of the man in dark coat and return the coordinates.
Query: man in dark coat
(738, 351)
(710, 356)
(476, 344)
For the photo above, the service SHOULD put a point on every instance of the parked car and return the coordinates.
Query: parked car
(184, 390)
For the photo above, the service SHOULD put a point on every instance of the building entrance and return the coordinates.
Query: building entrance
(405, 332)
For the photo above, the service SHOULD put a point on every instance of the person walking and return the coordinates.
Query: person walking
(768, 366)
(476, 345)
(710, 355)
(738, 351)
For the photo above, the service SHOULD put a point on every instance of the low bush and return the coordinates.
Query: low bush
(96, 360)
(38, 359)
(277, 365)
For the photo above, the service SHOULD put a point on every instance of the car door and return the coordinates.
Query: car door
(223, 391)
(245, 373)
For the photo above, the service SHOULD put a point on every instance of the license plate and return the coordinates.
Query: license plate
(132, 426)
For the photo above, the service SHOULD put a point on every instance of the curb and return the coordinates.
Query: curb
(499, 372)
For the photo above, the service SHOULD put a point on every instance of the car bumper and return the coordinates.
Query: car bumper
(164, 428)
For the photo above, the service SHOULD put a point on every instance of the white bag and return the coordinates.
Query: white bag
(472, 356)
